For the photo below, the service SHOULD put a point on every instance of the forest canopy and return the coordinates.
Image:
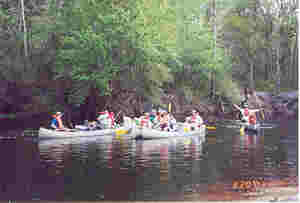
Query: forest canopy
(198, 47)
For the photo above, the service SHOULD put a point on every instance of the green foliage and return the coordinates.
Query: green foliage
(265, 85)
(196, 47)
(98, 45)
(150, 45)
(241, 23)
(228, 88)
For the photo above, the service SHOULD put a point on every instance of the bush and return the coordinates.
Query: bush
(265, 85)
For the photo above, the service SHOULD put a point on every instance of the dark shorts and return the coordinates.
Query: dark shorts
(163, 126)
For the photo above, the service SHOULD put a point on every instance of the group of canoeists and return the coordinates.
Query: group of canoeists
(165, 121)
(156, 119)
(105, 120)
(162, 120)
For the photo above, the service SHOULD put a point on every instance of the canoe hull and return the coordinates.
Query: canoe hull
(149, 133)
(54, 134)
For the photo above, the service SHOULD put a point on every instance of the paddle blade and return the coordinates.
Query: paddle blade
(187, 142)
(242, 130)
(121, 132)
(211, 128)
(262, 115)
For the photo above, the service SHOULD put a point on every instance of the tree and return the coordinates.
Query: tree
(266, 22)
(129, 39)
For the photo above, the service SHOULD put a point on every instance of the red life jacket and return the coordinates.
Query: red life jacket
(252, 119)
(193, 118)
(112, 117)
(145, 121)
(246, 112)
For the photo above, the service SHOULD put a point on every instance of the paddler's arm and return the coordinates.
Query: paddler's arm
(255, 110)
(236, 106)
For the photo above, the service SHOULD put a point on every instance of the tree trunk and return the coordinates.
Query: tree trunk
(294, 67)
(252, 76)
(277, 71)
(213, 85)
(24, 28)
(266, 72)
(26, 59)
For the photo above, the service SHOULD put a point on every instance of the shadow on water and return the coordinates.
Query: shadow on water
(224, 165)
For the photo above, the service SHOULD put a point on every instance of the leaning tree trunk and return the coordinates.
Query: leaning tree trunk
(277, 71)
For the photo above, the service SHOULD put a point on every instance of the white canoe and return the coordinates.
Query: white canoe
(45, 133)
(149, 133)
(47, 143)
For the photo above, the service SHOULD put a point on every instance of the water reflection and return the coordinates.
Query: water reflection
(170, 164)
(247, 156)
(19, 164)
(221, 167)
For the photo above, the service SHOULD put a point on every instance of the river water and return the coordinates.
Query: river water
(117, 168)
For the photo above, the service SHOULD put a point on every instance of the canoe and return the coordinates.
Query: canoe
(45, 133)
(47, 143)
(149, 133)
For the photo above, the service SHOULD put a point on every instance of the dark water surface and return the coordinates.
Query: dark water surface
(111, 168)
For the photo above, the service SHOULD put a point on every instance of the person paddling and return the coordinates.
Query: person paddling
(57, 123)
(194, 122)
(106, 120)
(247, 115)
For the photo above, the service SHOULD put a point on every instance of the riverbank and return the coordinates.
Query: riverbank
(30, 104)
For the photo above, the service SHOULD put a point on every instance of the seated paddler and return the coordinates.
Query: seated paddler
(247, 115)
(194, 121)
(106, 120)
(57, 123)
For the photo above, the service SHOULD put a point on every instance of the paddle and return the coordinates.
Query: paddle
(242, 130)
(187, 142)
(211, 127)
(262, 114)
